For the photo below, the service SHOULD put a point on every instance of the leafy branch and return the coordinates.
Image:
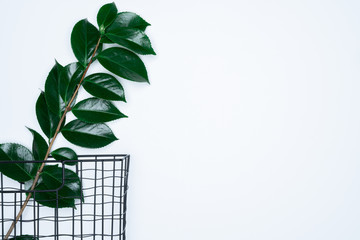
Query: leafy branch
(61, 89)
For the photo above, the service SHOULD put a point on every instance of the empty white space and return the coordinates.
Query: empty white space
(250, 129)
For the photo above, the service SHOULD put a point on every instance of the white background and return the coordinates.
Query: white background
(249, 130)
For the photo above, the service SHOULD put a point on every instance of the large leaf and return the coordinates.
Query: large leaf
(52, 92)
(64, 153)
(126, 20)
(22, 170)
(89, 135)
(124, 63)
(48, 120)
(39, 146)
(24, 237)
(95, 110)
(129, 19)
(105, 86)
(69, 79)
(106, 16)
(131, 38)
(84, 38)
(52, 178)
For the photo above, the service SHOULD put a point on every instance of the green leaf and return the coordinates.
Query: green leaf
(84, 38)
(104, 39)
(106, 16)
(24, 237)
(123, 63)
(126, 20)
(69, 79)
(131, 20)
(105, 86)
(21, 171)
(52, 92)
(51, 178)
(95, 110)
(64, 153)
(48, 121)
(131, 38)
(39, 146)
(89, 135)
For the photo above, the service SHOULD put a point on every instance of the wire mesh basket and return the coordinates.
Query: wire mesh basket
(101, 214)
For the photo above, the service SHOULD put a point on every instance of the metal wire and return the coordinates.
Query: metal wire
(102, 215)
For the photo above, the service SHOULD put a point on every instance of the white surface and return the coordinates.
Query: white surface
(249, 129)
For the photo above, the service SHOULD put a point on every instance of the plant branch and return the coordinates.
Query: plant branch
(67, 109)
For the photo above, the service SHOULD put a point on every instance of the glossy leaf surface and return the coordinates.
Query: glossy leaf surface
(95, 110)
(131, 38)
(124, 63)
(89, 135)
(21, 171)
(39, 146)
(48, 120)
(84, 38)
(129, 19)
(51, 179)
(52, 91)
(69, 79)
(106, 16)
(24, 237)
(65, 154)
(105, 86)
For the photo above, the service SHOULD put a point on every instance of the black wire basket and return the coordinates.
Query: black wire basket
(101, 214)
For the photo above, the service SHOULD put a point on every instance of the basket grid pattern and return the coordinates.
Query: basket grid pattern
(101, 214)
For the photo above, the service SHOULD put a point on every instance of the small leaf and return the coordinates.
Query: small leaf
(52, 94)
(104, 39)
(24, 237)
(48, 121)
(95, 110)
(69, 79)
(106, 16)
(84, 38)
(105, 86)
(51, 178)
(129, 19)
(89, 135)
(131, 38)
(21, 171)
(39, 146)
(64, 153)
(123, 63)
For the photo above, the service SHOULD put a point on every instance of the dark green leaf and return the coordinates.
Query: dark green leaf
(39, 146)
(124, 63)
(95, 110)
(106, 16)
(52, 92)
(51, 179)
(89, 135)
(24, 237)
(21, 171)
(131, 38)
(129, 19)
(104, 86)
(69, 79)
(65, 154)
(104, 39)
(84, 38)
(48, 121)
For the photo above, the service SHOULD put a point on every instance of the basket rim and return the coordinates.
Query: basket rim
(98, 157)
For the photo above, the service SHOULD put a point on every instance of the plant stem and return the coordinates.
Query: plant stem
(68, 108)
